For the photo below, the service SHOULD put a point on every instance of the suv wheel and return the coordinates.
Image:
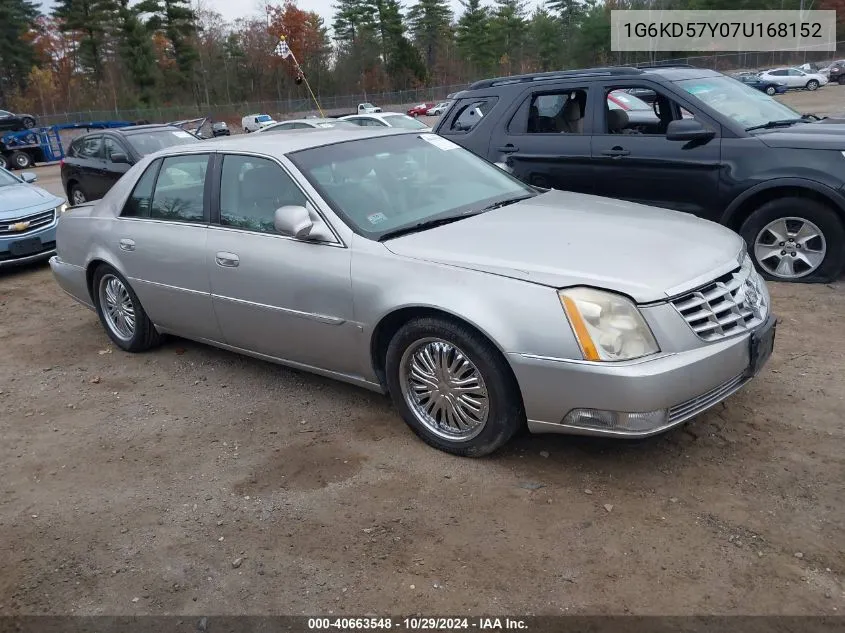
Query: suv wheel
(795, 239)
(77, 196)
(121, 313)
(841, 80)
(812, 84)
(452, 387)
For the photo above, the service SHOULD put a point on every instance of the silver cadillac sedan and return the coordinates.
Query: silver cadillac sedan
(400, 262)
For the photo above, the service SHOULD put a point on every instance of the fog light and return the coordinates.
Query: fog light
(616, 420)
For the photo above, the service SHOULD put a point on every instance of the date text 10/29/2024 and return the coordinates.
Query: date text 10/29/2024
(417, 624)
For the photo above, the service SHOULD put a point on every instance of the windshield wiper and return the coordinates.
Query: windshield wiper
(771, 124)
(504, 203)
(426, 224)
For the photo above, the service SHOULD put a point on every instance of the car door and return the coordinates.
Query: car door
(641, 165)
(546, 143)
(796, 78)
(272, 294)
(90, 166)
(160, 239)
(112, 171)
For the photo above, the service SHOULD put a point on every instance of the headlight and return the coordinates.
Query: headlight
(61, 209)
(608, 327)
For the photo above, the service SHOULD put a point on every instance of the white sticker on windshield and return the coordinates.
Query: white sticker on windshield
(182, 134)
(376, 218)
(439, 141)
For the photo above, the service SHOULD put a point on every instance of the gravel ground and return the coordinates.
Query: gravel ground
(191, 480)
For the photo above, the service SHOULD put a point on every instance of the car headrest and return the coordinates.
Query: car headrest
(617, 120)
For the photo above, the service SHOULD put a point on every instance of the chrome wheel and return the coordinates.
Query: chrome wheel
(444, 389)
(76, 196)
(790, 248)
(117, 307)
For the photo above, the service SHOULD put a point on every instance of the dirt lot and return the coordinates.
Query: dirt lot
(190, 480)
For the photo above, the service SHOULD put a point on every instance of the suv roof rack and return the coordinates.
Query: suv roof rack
(662, 65)
(556, 74)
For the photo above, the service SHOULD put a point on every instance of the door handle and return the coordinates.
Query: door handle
(227, 260)
(127, 245)
(616, 152)
(508, 149)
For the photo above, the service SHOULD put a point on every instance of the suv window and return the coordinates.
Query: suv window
(251, 189)
(111, 146)
(470, 112)
(625, 114)
(138, 203)
(180, 188)
(90, 147)
(559, 112)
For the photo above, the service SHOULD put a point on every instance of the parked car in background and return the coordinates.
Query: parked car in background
(402, 263)
(254, 122)
(720, 150)
(386, 119)
(10, 122)
(420, 110)
(28, 216)
(755, 81)
(643, 94)
(302, 124)
(639, 112)
(97, 160)
(439, 109)
(220, 128)
(794, 78)
(836, 71)
(363, 108)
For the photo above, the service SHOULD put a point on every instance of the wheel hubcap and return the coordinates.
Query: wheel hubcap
(790, 248)
(78, 196)
(117, 307)
(444, 389)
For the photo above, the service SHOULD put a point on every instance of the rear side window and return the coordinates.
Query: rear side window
(180, 189)
(139, 203)
(469, 112)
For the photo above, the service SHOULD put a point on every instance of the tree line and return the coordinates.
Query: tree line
(113, 54)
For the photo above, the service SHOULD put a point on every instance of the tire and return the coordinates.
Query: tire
(841, 80)
(139, 337)
(771, 91)
(3, 162)
(797, 218)
(76, 196)
(28, 122)
(20, 160)
(488, 430)
(812, 85)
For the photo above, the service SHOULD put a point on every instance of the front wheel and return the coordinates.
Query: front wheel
(452, 387)
(28, 122)
(771, 91)
(121, 313)
(21, 160)
(77, 196)
(841, 80)
(812, 85)
(795, 239)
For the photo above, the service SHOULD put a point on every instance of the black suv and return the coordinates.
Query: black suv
(712, 147)
(97, 160)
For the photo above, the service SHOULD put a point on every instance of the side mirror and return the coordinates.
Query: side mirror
(120, 157)
(688, 130)
(294, 221)
(29, 176)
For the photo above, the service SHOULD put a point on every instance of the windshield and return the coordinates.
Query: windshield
(367, 105)
(149, 142)
(262, 118)
(379, 185)
(6, 178)
(405, 122)
(621, 100)
(742, 103)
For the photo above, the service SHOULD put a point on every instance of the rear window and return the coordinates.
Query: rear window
(469, 112)
(148, 142)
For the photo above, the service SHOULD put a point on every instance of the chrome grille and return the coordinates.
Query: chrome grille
(33, 221)
(728, 305)
(693, 406)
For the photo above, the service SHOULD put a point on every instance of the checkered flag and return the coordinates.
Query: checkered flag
(282, 49)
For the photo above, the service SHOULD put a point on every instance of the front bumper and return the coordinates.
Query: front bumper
(680, 386)
(47, 236)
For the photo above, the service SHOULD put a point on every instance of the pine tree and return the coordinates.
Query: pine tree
(178, 22)
(508, 30)
(17, 55)
(545, 33)
(351, 17)
(473, 37)
(136, 51)
(91, 19)
(429, 21)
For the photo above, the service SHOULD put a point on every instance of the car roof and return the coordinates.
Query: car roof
(281, 144)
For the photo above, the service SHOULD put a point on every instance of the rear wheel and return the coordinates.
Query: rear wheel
(28, 122)
(771, 91)
(77, 196)
(452, 387)
(841, 80)
(812, 84)
(795, 239)
(121, 312)
(20, 160)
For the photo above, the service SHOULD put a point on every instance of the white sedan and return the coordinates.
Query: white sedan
(386, 119)
(795, 78)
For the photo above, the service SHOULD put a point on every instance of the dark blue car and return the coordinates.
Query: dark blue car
(769, 87)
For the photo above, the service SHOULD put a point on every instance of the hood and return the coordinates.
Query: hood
(824, 134)
(16, 200)
(561, 239)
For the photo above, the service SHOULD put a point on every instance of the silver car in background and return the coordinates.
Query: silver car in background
(400, 262)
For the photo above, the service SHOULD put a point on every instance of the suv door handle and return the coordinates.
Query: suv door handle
(616, 152)
(227, 260)
(127, 244)
(508, 149)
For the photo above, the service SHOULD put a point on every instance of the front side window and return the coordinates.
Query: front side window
(560, 112)
(91, 146)
(139, 203)
(180, 188)
(384, 184)
(251, 189)
(110, 146)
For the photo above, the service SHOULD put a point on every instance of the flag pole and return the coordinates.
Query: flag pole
(307, 85)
